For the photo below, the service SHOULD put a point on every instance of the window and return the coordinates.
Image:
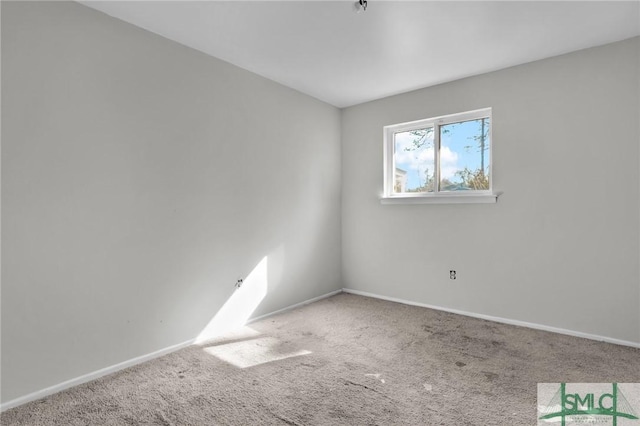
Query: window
(443, 159)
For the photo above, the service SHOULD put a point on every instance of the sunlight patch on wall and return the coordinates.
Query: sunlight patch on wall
(254, 352)
(242, 303)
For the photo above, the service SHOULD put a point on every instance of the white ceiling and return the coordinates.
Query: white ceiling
(327, 50)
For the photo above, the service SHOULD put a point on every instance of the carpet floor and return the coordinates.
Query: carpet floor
(345, 360)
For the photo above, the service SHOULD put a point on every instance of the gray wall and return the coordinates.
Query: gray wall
(560, 248)
(140, 179)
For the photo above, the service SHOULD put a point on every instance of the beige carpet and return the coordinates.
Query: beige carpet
(346, 360)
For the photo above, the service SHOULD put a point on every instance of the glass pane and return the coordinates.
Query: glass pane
(414, 161)
(464, 155)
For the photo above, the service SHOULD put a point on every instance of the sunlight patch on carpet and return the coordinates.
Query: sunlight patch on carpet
(253, 352)
(241, 333)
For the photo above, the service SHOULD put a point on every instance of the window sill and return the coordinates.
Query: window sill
(489, 198)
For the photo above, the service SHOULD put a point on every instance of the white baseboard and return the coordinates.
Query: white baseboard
(129, 363)
(117, 367)
(499, 319)
(91, 376)
(297, 305)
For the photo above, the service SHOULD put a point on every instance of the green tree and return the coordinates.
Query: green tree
(476, 179)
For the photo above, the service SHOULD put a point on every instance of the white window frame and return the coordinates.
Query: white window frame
(438, 197)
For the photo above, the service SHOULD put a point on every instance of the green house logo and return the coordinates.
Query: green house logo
(590, 403)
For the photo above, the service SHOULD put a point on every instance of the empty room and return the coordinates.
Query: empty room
(320, 213)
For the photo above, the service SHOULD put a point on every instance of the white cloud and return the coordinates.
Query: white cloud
(411, 160)
(448, 162)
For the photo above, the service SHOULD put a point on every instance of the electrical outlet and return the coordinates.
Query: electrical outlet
(452, 274)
